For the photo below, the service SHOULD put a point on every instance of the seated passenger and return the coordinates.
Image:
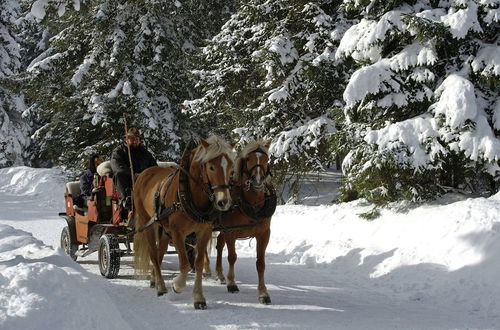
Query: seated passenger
(120, 164)
(86, 180)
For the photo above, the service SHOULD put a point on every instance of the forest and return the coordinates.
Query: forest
(401, 96)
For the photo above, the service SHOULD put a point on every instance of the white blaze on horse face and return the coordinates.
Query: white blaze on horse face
(224, 165)
(258, 176)
(224, 194)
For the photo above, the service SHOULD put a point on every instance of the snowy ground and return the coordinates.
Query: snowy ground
(431, 267)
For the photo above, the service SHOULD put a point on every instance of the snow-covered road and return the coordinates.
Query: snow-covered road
(433, 267)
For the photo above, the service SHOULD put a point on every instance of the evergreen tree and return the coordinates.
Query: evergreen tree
(271, 72)
(14, 131)
(421, 109)
(110, 59)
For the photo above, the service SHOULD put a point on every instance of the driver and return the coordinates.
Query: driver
(141, 160)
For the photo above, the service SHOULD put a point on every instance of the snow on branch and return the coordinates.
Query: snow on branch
(284, 47)
(360, 41)
(46, 63)
(310, 133)
(413, 55)
(487, 60)
(40, 7)
(457, 104)
(413, 135)
(457, 101)
(496, 115)
(380, 77)
(462, 21)
(82, 70)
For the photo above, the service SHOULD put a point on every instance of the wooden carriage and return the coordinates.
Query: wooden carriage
(101, 225)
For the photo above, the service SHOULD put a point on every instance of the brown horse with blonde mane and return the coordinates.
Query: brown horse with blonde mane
(171, 203)
(256, 200)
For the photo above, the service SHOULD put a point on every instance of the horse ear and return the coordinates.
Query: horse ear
(204, 143)
(267, 143)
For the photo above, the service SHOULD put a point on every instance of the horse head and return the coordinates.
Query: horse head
(252, 168)
(216, 162)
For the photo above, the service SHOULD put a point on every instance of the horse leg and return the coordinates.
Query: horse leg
(262, 241)
(207, 272)
(163, 240)
(218, 264)
(156, 271)
(202, 238)
(152, 278)
(179, 282)
(231, 258)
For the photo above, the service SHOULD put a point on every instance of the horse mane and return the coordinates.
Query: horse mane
(250, 147)
(218, 146)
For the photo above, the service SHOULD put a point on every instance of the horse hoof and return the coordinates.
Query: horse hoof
(233, 288)
(222, 281)
(160, 293)
(173, 289)
(152, 285)
(265, 300)
(200, 305)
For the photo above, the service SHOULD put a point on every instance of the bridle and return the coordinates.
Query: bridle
(207, 183)
(251, 178)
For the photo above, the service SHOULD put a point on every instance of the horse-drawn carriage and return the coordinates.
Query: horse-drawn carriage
(101, 225)
(199, 196)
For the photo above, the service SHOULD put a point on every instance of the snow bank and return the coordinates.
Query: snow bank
(41, 288)
(27, 181)
(442, 252)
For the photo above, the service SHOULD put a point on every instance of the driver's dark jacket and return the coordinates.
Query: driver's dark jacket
(141, 159)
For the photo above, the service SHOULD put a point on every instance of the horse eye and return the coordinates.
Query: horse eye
(211, 168)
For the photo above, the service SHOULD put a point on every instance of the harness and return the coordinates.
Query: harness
(253, 211)
(183, 201)
(266, 211)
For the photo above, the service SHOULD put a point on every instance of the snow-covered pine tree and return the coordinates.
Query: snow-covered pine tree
(110, 58)
(14, 130)
(271, 73)
(422, 108)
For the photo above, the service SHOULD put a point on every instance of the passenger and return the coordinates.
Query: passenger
(120, 164)
(87, 178)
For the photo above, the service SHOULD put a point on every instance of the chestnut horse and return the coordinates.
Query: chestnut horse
(171, 203)
(256, 200)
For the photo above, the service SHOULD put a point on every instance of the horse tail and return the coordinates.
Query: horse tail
(141, 254)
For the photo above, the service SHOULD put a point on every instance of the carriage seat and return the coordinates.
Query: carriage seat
(73, 188)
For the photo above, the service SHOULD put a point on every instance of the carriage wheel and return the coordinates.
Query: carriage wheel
(109, 256)
(68, 244)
